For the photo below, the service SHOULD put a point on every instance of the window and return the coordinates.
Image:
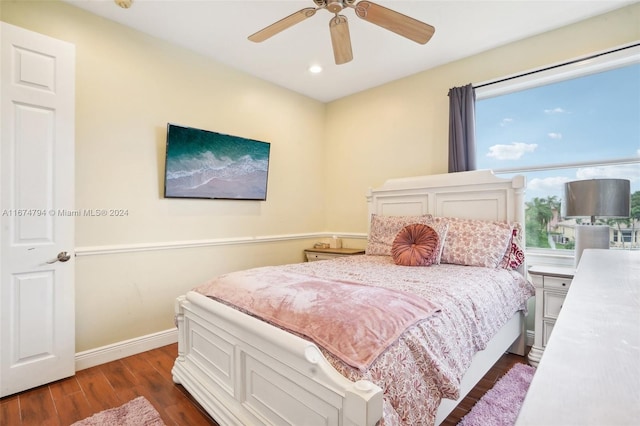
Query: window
(579, 120)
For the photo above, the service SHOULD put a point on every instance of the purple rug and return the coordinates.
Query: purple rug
(500, 406)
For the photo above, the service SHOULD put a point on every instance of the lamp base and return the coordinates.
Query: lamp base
(591, 237)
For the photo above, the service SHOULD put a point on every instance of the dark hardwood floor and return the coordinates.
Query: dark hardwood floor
(149, 374)
(107, 386)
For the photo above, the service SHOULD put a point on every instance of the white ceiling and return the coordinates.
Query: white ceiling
(219, 29)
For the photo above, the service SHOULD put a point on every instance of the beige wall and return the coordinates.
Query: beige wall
(128, 87)
(323, 158)
(401, 128)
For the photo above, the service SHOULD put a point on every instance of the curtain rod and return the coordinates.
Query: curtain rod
(575, 61)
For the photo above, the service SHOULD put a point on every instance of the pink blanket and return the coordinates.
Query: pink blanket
(354, 322)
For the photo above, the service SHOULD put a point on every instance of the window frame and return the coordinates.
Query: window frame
(582, 66)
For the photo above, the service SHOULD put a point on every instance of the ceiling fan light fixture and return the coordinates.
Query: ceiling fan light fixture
(125, 4)
(315, 69)
(335, 6)
(366, 10)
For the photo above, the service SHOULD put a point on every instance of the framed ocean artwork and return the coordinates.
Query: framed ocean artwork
(205, 164)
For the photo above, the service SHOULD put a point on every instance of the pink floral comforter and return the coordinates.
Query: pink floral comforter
(427, 362)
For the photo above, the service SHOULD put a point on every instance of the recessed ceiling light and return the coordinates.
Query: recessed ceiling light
(315, 69)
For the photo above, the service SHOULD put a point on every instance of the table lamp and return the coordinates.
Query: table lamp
(593, 198)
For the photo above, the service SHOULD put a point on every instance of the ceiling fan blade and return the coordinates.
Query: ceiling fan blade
(394, 21)
(282, 24)
(340, 39)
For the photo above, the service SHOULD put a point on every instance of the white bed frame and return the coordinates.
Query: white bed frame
(244, 371)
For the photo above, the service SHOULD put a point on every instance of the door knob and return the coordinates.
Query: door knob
(63, 256)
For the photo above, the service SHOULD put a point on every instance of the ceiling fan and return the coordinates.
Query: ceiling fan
(338, 25)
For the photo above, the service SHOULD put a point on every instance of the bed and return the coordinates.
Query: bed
(249, 371)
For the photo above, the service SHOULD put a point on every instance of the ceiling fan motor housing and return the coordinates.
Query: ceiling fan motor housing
(334, 6)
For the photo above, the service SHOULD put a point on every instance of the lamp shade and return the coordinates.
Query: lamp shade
(597, 197)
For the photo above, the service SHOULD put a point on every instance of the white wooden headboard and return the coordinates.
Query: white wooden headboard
(471, 195)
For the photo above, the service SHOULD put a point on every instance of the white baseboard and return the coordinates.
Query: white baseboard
(530, 338)
(115, 351)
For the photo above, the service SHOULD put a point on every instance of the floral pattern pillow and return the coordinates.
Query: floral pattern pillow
(441, 228)
(514, 256)
(385, 228)
(475, 242)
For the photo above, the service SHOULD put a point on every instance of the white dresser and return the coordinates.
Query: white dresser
(589, 373)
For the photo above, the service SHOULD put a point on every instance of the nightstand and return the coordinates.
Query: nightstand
(552, 284)
(330, 253)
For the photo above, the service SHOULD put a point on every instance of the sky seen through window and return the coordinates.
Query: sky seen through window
(583, 120)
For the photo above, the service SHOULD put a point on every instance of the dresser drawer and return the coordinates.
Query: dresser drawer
(329, 253)
(557, 283)
(552, 304)
(320, 256)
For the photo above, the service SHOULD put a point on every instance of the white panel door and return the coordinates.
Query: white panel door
(37, 314)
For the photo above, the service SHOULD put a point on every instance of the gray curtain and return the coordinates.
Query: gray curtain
(462, 138)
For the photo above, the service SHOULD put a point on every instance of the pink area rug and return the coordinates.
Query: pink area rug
(137, 412)
(501, 405)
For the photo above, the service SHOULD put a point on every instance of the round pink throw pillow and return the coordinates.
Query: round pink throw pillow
(415, 245)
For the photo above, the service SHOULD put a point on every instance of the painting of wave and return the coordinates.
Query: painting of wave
(205, 164)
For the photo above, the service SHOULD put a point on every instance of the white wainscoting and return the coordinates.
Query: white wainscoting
(125, 348)
(111, 352)
(172, 245)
